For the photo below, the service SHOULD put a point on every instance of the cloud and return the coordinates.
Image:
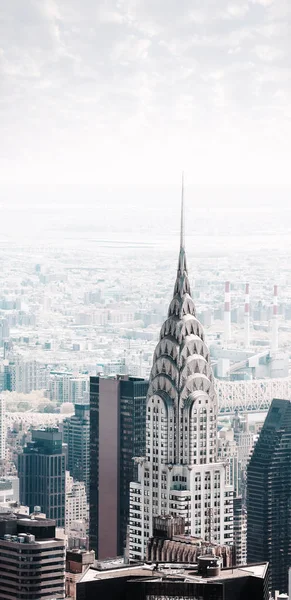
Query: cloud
(237, 11)
(269, 53)
(265, 3)
(112, 82)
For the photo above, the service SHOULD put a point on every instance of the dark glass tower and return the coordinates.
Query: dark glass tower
(269, 496)
(42, 474)
(117, 434)
(76, 434)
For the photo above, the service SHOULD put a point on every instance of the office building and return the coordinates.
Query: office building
(154, 581)
(42, 474)
(117, 434)
(239, 531)
(268, 495)
(4, 331)
(180, 474)
(76, 434)
(5, 376)
(32, 559)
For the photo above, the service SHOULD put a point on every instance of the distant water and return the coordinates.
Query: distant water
(198, 244)
(219, 221)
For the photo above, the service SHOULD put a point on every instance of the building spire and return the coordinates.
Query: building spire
(182, 232)
(182, 285)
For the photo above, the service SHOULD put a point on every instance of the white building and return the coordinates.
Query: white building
(227, 451)
(240, 531)
(65, 387)
(180, 474)
(27, 375)
(77, 508)
(9, 489)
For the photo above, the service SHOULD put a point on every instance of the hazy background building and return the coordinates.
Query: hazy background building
(76, 434)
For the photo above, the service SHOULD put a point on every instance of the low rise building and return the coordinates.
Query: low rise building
(32, 559)
(77, 562)
(158, 581)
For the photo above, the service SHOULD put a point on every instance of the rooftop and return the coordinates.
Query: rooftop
(186, 572)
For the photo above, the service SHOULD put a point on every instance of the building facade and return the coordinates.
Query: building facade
(117, 435)
(42, 474)
(240, 531)
(32, 560)
(180, 474)
(77, 508)
(170, 544)
(76, 434)
(268, 495)
(154, 581)
(77, 562)
(65, 387)
(26, 376)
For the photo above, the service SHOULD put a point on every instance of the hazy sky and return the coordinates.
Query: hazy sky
(136, 90)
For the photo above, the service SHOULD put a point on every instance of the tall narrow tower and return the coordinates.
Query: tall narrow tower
(274, 324)
(180, 475)
(247, 316)
(227, 313)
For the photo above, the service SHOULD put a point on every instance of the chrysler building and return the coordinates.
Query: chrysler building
(180, 474)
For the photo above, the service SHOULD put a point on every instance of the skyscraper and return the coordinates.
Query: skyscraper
(179, 474)
(42, 474)
(117, 434)
(269, 495)
(76, 434)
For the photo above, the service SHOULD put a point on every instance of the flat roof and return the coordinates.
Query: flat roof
(170, 570)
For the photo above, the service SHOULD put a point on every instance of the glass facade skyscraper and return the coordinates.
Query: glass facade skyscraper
(269, 496)
(117, 435)
(42, 474)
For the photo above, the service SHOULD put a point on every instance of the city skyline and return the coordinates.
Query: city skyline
(145, 407)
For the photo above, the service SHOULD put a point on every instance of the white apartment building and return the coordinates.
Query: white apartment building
(65, 387)
(27, 375)
(180, 474)
(77, 508)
